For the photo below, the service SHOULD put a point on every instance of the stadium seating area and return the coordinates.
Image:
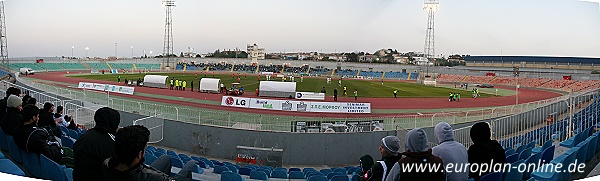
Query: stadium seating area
(450, 77)
(346, 73)
(579, 85)
(371, 74)
(398, 75)
(37, 166)
(557, 84)
(73, 66)
(503, 81)
(478, 79)
(50, 66)
(80, 66)
(532, 82)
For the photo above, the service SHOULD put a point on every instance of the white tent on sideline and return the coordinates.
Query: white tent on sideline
(209, 85)
(158, 81)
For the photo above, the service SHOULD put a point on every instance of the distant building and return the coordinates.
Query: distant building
(255, 53)
(422, 61)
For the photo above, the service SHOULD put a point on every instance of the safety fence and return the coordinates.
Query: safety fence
(557, 121)
(155, 125)
(95, 99)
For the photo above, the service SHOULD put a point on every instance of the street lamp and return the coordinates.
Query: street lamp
(86, 51)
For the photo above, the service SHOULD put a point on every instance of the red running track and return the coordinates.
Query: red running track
(525, 96)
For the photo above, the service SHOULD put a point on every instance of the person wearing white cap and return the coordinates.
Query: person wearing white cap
(13, 114)
(417, 153)
(389, 149)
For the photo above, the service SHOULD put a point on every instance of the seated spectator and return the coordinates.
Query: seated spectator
(417, 153)
(484, 149)
(25, 99)
(13, 115)
(32, 101)
(390, 145)
(32, 139)
(9, 91)
(47, 120)
(128, 162)
(96, 145)
(450, 151)
(64, 120)
(366, 162)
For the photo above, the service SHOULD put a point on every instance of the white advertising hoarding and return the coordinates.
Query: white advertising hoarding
(107, 87)
(297, 106)
(310, 95)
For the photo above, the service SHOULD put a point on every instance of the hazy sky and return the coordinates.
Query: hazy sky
(476, 27)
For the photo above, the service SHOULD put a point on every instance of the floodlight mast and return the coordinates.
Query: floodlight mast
(168, 40)
(3, 46)
(431, 7)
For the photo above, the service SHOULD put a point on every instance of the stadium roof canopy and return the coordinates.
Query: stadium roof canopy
(534, 59)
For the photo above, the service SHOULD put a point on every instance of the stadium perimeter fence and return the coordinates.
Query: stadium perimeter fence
(92, 100)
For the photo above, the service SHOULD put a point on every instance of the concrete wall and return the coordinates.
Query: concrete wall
(298, 148)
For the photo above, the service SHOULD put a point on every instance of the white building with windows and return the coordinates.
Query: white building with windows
(255, 53)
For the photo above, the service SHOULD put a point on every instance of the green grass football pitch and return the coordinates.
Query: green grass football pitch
(365, 88)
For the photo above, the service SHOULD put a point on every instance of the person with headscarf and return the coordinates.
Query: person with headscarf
(96, 145)
(484, 150)
(417, 153)
(389, 149)
(451, 152)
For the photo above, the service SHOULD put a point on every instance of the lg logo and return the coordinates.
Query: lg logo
(231, 101)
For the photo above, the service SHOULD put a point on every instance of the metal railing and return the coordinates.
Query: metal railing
(92, 99)
(557, 121)
(155, 125)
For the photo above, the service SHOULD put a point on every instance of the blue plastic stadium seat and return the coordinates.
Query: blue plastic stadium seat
(7, 166)
(220, 169)
(533, 159)
(13, 150)
(339, 178)
(51, 170)
(73, 134)
(546, 144)
(548, 154)
(176, 162)
(149, 159)
(332, 174)
(325, 171)
(31, 161)
(318, 178)
(512, 158)
(232, 168)
(258, 175)
(295, 169)
(514, 174)
(245, 171)
(296, 175)
(592, 140)
(230, 176)
(3, 143)
(279, 174)
(66, 141)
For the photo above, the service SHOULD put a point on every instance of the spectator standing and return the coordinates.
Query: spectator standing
(484, 150)
(128, 162)
(96, 145)
(37, 140)
(450, 151)
(13, 116)
(192, 85)
(171, 85)
(335, 92)
(390, 145)
(417, 153)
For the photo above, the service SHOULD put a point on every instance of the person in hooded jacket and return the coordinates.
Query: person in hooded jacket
(13, 115)
(451, 152)
(484, 149)
(9, 91)
(366, 162)
(417, 153)
(96, 145)
(33, 139)
(390, 145)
